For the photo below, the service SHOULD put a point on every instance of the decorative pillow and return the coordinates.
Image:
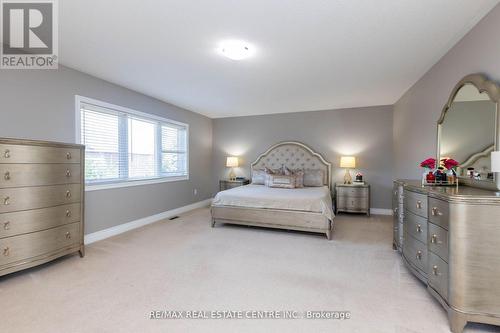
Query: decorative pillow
(280, 181)
(270, 171)
(298, 174)
(258, 176)
(287, 171)
(313, 177)
(299, 178)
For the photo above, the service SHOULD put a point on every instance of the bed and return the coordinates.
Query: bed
(303, 209)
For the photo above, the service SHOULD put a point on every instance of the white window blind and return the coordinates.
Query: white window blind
(173, 152)
(124, 146)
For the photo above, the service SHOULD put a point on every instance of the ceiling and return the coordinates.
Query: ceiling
(310, 54)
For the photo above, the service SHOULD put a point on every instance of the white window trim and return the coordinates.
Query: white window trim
(127, 183)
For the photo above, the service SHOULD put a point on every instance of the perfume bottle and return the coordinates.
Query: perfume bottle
(452, 176)
(470, 172)
(440, 175)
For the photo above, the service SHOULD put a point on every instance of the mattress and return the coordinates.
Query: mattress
(308, 199)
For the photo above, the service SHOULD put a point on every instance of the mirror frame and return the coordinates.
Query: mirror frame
(483, 85)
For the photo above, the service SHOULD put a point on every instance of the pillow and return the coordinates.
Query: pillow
(280, 181)
(258, 176)
(299, 178)
(298, 174)
(313, 177)
(270, 171)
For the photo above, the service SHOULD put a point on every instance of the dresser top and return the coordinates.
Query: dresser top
(453, 193)
(364, 185)
(28, 142)
(235, 180)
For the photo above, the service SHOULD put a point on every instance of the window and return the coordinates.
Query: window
(126, 147)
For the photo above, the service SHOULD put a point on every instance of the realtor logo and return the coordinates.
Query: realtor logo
(29, 34)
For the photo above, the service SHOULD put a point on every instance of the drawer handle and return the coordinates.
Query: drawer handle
(6, 225)
(68, 156)
(6, 201)
(419, 204)
(435, 270)
(435, 212)
(419, 255)
(419, 228)
(6, 176)
(68, 235)
(68, 213)
(68, 194)
(68, 173)
(6, 251)
(434, 239)
(6, 153)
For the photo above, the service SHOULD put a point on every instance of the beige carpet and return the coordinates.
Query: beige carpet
(186, 265)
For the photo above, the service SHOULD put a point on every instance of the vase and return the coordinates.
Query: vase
(426, 179)
(430, 178)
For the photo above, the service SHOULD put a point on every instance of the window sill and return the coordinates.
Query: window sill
(130, 183)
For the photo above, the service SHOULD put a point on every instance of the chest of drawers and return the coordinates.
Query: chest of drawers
(229, 184)
(451, 243)
(397, 216)
(41, 202)
(352, 198)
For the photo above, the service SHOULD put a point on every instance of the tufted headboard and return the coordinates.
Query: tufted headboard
(294, 155)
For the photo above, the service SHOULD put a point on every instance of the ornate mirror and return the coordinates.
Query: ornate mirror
(467, 130)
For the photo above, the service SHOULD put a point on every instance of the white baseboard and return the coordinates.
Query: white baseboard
(380, 211)
(116, 230)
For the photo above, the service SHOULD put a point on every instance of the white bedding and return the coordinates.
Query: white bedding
(309, 199)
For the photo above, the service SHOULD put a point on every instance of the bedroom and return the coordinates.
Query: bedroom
(179, 103)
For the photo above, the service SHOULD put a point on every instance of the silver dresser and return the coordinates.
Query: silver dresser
(229, 184)
(452, 243)
(41, 202)
(398, 215)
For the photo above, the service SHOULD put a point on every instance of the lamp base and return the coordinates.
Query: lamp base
(232, 175)
(347, 177)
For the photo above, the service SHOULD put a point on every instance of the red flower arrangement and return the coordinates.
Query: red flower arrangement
(429, 163)
(449, 163)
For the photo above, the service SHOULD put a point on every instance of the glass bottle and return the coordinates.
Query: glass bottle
(430, 178)
(440, 175)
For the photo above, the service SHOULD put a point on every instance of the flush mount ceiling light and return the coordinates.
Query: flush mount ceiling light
(236, 49)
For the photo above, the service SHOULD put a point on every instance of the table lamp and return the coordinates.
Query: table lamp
(232, 162)
(347, 162)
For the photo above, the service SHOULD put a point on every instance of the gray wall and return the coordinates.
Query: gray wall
(416, 113)
(363, 132)
(40, 104)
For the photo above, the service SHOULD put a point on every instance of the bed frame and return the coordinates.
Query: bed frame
(292, 155)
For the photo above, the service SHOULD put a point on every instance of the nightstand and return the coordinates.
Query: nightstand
(227, 184)
(352, 198)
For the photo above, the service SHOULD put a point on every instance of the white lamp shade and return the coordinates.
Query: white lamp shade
(495, 161)
(232, 162)
(348, 162)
